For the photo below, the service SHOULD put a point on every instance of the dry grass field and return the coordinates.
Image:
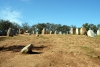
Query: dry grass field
(50, 51)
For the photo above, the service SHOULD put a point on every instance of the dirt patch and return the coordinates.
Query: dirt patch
(50, 51)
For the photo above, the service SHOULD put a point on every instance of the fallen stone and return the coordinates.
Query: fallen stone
(27, 49)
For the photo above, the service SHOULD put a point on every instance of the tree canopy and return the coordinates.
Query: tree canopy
(5, 24)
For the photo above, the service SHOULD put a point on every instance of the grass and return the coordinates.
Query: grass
(57, 48)
(86, 48)
(90, 52)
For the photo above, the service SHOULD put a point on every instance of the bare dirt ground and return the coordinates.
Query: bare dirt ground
(50, 51)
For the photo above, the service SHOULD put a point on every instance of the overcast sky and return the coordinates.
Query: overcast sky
(65, 12)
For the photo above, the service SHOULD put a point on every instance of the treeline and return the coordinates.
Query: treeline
(6, 24)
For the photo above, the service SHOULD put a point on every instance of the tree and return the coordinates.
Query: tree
(90, 26)
(73, 26)
(93, 27)
(25, 26)
(34, 28)
(53, 27)
(87, 26)
(5, 24)
(48, 27)
(40, 27)
(98, 26)
(65, 28)
(58, 28)
(15, 26)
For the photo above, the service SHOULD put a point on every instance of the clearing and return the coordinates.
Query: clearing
(50, 51)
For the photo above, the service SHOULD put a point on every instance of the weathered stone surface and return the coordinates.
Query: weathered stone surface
(43, 31)
(33, 32)
(98, 32)
(10, 32)
(21, 31)
(90, 33)
(77, 31)
(50, 32)
(37, 34)
(72, 31)
(60, 32)
(27, 49)
(83, 31)
(55, 32)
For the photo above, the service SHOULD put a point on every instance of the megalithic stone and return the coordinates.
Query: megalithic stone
(50, 32)
(33, 32)
(98, 32)
(21, 31)
(60, 32)
(90, 33)
(37, 34)
(71, 31)
(10, 32)
(77, 31)
(27, 49)
(83, 31)
(55, 32)
(43, 31)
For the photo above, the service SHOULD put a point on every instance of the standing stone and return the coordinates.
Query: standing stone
(83, 31)
(98, 32)
(37, 34)
(27, 49)
(55, 32)
(21, 31)
(10, 32)
(90, 33)
(60, 32)
(50, 32)
(72, 31)
(43, 31)
(33, 32)
(77, 31)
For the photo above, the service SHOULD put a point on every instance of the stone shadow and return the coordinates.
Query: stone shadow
(35, 52)
(17, 48)
(39, 47)
(14, 48)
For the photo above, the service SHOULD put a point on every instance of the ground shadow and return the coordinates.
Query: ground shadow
(14, 48)
(39, 47)
(35, 52)
(17, 48)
